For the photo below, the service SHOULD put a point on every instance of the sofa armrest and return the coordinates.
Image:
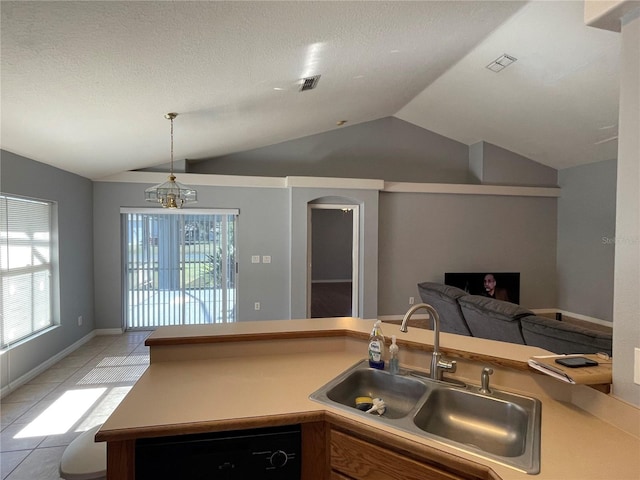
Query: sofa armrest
(444, 292)
(444, 299)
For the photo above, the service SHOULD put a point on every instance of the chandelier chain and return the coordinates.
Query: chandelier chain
(171, 194)
(171, 118)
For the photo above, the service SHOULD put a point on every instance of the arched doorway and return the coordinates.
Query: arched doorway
(333, 260)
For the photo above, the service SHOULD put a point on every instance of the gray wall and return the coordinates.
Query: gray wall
(332, 238)
(272, 221)
(493, 165)
(388, 148)
(73, 194)
(626, 304)
(406, 238)
(586, 235)
(263, 229)
(422, 236)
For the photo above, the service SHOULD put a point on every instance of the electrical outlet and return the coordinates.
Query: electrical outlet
(636, 368)
(412, 300)
(80, 320)
(266, 259)
(256, 306)
(255, 259)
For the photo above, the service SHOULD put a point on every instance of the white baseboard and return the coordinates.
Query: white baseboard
(577, 316)
(18, 382)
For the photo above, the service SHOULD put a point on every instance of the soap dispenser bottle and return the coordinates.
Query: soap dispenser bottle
(394, 366)
(376, 347)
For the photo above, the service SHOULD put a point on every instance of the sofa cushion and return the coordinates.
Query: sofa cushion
(444, 299)
(562, 337)
(493, 319)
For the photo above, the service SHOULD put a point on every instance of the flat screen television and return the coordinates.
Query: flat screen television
(506, 286)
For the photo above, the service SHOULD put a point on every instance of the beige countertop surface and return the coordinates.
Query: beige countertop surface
(235, 377)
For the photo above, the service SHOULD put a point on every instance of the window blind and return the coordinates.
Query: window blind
(25, 268)
(179, 268)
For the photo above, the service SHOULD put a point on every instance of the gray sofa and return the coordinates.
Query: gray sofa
(484, 317)
(445, 300)
(563, 337)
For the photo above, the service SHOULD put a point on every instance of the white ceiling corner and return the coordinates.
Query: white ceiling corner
(553, 105)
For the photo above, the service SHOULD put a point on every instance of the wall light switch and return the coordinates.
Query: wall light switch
(636, 366)
(266, 259)
(255, 259)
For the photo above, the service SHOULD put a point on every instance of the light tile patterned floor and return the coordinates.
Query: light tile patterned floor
(39, 419)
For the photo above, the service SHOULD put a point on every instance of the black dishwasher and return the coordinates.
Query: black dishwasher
(265, 453)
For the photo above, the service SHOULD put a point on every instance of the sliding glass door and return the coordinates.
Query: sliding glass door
(179, 267)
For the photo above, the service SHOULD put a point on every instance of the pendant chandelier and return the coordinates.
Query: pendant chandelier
(171, 194)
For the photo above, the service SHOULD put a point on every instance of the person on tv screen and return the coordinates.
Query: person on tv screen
(492, 290)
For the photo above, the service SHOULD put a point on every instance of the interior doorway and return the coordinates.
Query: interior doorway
(333, 267)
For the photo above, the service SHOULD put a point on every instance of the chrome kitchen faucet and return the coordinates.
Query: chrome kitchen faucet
(438, 364)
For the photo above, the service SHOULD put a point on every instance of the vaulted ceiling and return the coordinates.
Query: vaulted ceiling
(85, 85)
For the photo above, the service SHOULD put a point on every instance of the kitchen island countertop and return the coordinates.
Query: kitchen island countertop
(249, 374)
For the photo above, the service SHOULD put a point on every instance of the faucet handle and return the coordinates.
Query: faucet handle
(448, 365)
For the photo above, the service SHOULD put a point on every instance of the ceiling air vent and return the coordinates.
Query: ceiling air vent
(309, 83)
(501, 63)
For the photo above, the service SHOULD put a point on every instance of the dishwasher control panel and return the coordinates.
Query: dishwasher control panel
(266, 453)
(275, 459)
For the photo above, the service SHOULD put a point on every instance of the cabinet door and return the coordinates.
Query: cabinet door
(338, 476)
(315, 456)
(361, 460)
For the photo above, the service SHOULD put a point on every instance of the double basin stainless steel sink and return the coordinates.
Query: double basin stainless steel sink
(501, 426)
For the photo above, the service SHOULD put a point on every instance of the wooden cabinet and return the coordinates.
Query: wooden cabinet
(352, 458)
(336, 448)
(315, 459)
(338, 476)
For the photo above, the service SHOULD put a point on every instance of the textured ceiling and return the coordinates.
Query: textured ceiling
(85, 85)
